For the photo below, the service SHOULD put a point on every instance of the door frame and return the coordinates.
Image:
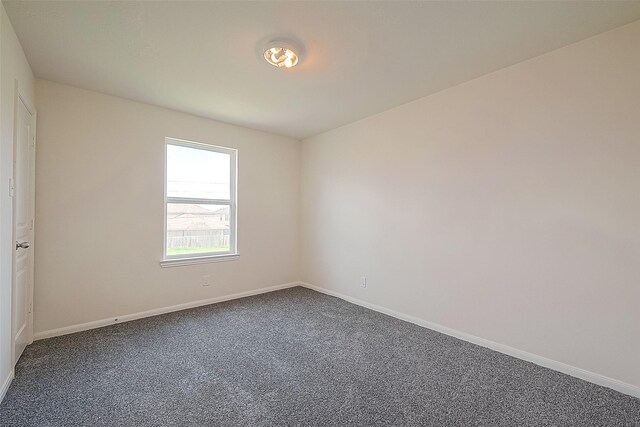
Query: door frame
(21, 97)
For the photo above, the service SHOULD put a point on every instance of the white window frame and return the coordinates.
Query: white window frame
(232, 253)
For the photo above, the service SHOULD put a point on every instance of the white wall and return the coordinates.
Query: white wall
(13, 66)
(99, 209)
(507, 207)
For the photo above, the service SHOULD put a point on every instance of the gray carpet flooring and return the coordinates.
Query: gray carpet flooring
(292, 357)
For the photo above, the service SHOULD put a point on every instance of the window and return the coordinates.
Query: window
(200, 201)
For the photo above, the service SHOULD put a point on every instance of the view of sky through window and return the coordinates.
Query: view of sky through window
(196, 173)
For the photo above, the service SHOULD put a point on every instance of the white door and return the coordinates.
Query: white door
(23, 207)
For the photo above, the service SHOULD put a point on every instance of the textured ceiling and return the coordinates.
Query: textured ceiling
(361, 57)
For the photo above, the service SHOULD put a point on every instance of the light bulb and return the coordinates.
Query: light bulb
(281, 57)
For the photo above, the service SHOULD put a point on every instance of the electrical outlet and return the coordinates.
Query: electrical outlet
(205, 280)
(363, 282)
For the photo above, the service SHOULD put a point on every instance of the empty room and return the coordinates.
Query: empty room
(319, 213)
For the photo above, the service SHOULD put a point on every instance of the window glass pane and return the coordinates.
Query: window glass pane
(201, 174)
(197, 229)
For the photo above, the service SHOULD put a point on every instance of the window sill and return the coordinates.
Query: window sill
(177, 262)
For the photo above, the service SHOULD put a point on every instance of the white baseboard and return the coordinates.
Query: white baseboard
(156, 311)
(583, 374)
(5, 385)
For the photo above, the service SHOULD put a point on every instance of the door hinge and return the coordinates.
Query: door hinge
(31, 225)
(12, 188)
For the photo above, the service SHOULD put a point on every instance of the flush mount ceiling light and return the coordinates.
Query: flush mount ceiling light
(281, 54)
